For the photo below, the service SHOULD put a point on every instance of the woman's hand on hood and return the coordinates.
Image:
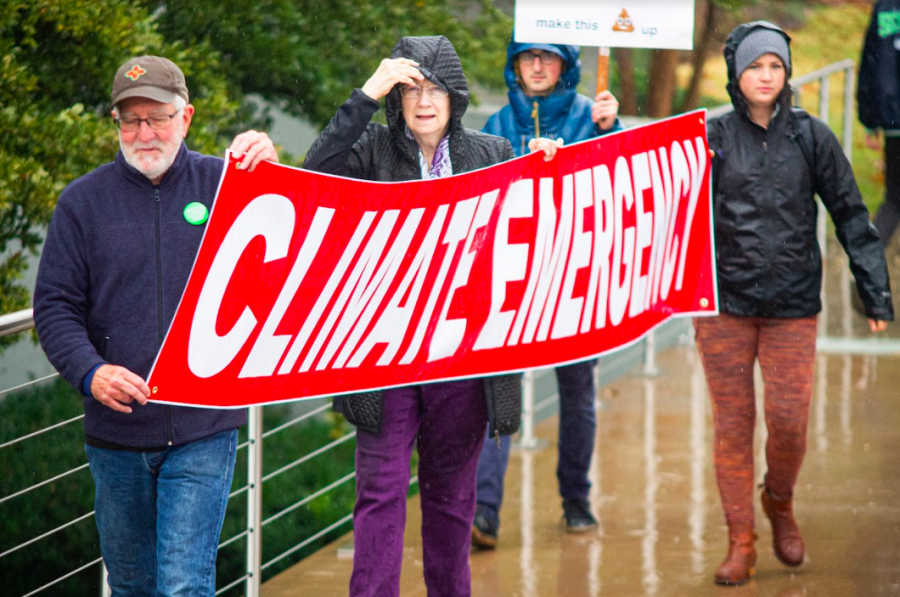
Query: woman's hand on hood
(390, 72)
(548, 146)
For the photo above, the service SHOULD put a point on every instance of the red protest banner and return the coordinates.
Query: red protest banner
(309, 285)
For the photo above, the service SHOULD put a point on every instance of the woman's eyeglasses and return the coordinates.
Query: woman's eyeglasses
(413, 91)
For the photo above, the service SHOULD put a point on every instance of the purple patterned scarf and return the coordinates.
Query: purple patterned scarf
(440, 163)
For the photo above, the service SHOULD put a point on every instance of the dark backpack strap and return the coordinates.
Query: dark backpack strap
(803, 133)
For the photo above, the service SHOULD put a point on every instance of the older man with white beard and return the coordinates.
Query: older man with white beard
(118, 254)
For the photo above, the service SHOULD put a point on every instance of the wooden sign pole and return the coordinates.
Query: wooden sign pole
(602, 70)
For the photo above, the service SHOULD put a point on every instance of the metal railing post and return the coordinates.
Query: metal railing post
(104, 585)
(650, 367)
(824, 99)
(849, 76)
(821, 223)
(254, 501)
(527, 439)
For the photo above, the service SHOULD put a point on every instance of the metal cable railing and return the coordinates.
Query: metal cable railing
(252, 533)
(23, 321)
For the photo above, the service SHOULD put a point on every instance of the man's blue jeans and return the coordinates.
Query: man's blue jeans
(159, 515)
(577, 428)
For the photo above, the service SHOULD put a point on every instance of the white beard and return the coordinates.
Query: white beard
(154, 167)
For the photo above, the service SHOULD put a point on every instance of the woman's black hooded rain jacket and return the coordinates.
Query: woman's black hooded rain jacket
(768, 259)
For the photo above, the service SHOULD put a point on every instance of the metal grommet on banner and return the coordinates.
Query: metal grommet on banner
(155, 389)
(704, 303)
(701, 120)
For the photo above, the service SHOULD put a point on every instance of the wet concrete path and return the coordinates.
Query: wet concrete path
(662, 531)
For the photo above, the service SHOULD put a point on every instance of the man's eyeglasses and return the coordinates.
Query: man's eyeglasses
(413, 91)
(157, 122)
(545, 56)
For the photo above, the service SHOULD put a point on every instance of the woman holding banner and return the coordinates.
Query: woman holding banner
(426, 95)
(769, 161)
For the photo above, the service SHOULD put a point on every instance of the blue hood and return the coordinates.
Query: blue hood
(553, 109)
(571, 75)
(563, 114)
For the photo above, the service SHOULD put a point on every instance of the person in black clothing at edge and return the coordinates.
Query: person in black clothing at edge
(118, 254)
(878, 101)
(426, 95)
(769, 161)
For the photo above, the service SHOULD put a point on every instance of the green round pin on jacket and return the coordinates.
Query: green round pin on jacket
(196, 213)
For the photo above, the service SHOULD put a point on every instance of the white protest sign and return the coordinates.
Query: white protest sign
(667, 24)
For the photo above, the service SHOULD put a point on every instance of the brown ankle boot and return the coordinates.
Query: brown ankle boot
(786, 539)
(740, 563)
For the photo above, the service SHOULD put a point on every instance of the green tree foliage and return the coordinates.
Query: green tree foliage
(57, 60)
(307, 55)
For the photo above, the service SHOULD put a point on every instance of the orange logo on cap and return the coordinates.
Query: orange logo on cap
(136, 72)
(624, 23)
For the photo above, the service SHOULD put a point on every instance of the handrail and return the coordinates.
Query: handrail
(18, 321)
(821, 73)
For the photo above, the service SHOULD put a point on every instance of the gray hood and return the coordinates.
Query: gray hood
(440, 64)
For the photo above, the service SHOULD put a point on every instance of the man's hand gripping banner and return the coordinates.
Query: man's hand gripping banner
(312, 285)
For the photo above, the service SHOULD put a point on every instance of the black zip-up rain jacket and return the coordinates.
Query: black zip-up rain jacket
(768, 260)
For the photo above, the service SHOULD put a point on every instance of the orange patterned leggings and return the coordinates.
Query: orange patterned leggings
(786, 349)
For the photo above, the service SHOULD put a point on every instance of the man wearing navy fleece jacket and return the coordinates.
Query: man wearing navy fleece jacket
(118, 254)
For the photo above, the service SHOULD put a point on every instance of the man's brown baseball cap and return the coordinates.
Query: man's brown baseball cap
(152, 77)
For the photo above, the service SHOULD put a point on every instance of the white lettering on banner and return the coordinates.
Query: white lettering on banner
(270, 216)
(510, 264)
(269, 348)
(568, 312)
(680, 187)
(623, 243)
(312, 320)
(598, 287)
(358, 289)
(449, 333)
(551, 247)
(384, 278)
(365, 266)
(456, 232)
(661, 178)
(395, 320)
(640, 174)
(548, 297)
(628, 268)
(697, 163)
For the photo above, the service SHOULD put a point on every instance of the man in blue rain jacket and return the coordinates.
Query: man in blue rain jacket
(544, 102)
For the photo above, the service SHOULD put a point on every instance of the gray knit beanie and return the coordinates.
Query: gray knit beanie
(759, 42)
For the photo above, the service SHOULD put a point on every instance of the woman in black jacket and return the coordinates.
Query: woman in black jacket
(426, 95)
(769, 161)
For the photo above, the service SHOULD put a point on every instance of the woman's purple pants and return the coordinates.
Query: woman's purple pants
(446, 422)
